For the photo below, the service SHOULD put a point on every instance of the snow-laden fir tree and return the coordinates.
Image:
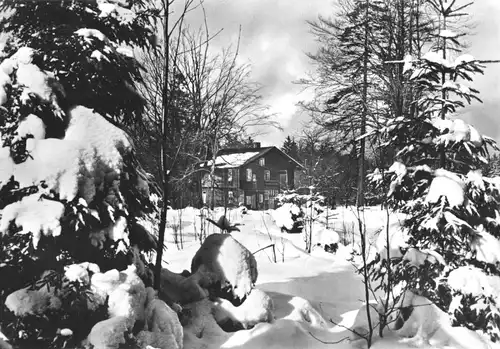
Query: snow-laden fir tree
(71, 190)
(450, 239)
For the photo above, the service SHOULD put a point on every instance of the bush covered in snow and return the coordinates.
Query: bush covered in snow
(71, 190)
(452, 230)
(297, 213)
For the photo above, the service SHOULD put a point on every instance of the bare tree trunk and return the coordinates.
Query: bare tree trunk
(164, 158)
(360, 197)
(444, 96)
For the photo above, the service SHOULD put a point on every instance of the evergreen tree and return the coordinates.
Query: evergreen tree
(85, 44)
(451, 231)
(355, 90)
(290, 147)
(71, 189)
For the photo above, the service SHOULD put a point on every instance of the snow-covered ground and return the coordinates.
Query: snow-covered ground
(316, 295)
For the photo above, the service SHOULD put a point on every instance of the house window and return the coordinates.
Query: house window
(262, 161)
(261, 198)
(266, 195)
(249, 174)
(230, 175)
(267, 175)
(254, 178)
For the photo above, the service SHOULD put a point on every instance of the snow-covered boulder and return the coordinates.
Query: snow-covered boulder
(35, 302)
(160, 340)
(128, 298)
(161, 318)
(176, 288)
(360, 327)
(200, 327)
(421, 323)
(303, 311)
(109, 333)
(231, 263)
(4, 344)
(257, 307)
(102, 284)
(125, 291)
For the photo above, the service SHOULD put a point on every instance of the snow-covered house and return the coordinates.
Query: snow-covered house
(252, 176)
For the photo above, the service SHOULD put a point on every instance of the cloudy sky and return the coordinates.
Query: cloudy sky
(275, 38)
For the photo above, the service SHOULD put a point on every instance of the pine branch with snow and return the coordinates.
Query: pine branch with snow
(450, 235)
(71, 188)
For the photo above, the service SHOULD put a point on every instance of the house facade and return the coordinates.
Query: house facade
(251, 176)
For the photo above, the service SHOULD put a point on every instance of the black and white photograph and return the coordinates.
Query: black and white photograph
(249, 174)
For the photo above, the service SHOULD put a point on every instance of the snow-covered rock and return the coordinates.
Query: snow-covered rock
(161, 318)
(421, 323)
(176, 288)
(230, 261)
(102, 284)
(36, 302)
(200, 327)
(125, 291)
(108, 334)
(128, 298)
(303, 311)
(160, 340)
(257, 307)
(4, 344)
(360, 327)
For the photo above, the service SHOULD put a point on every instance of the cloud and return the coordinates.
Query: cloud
(485, 44)
(275, 38)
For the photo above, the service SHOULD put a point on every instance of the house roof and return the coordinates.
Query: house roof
(237, 157)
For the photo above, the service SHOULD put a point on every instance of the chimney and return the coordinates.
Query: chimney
(256, 145)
